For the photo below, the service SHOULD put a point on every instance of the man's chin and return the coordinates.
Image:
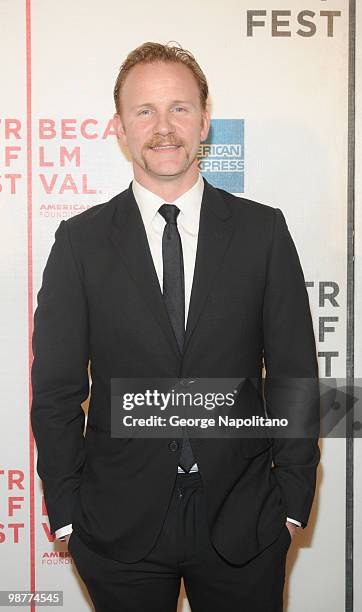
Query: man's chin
(166, 171)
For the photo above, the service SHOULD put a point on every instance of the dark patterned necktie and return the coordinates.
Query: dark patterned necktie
(174, 296)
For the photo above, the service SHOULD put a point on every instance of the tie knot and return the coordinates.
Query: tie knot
(169, 212)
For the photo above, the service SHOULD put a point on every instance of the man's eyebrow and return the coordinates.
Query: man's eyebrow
(183, 102)
(151, 105)
(142, 105)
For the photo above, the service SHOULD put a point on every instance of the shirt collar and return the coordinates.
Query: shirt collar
(189, 204)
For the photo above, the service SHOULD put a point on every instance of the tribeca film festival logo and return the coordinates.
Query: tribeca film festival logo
(221, 155)
(279, 23)
(58, 150)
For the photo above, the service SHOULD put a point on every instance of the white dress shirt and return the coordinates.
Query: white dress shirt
(188, 226)
(188, 220)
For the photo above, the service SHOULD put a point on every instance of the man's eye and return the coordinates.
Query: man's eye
(145, 111)
(179, 109)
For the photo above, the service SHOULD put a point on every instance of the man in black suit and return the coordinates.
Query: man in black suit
(121, 281)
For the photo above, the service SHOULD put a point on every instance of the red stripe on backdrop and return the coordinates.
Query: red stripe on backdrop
(29, 168)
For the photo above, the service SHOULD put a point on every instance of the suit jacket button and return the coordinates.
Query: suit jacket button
(173, 446)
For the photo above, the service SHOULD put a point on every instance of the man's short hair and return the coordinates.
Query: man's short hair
(151, 52)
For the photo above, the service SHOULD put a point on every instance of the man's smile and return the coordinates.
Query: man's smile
(165, 148)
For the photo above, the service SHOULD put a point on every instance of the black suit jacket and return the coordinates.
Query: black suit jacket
(100, 300)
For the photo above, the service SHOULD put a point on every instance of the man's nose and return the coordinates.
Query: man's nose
(163, 124)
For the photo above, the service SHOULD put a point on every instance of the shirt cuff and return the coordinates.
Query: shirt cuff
(297, 523)
(63, 531)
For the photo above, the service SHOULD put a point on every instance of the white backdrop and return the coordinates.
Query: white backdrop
(58, 63)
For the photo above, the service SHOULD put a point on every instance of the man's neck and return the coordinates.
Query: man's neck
(168, 190)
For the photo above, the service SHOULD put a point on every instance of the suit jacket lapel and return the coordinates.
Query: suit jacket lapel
(215, 231)
(129, 237)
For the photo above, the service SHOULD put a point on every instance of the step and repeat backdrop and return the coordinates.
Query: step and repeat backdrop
(280, 74)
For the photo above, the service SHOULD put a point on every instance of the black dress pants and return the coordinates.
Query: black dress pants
(183, 549)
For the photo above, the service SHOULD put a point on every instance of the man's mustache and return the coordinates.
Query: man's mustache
(164, 143)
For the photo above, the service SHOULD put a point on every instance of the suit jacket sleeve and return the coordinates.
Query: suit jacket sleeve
(291, 385)
(60, 379)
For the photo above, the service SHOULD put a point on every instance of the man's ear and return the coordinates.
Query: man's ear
(205, 125)
(119, 129)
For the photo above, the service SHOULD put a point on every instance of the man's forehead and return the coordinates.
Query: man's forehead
(161, 66)
(159, 73)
